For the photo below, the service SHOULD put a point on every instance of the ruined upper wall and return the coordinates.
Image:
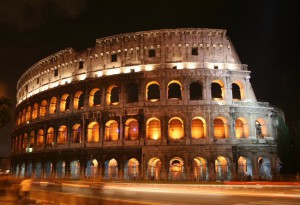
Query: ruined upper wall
(190, 48)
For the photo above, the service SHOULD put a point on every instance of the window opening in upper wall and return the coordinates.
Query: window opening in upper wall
(55, 72)
(114, 57)
(195, 51)
(151, 53)
(80, 65)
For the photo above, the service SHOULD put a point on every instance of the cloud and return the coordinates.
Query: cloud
(27, 14)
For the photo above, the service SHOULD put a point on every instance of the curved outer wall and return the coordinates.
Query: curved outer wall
(171, 104)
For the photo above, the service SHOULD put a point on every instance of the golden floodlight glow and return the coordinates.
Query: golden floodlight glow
(149, 67)
(113, 71)
(99, 73)
(82, 76)
(191, 65)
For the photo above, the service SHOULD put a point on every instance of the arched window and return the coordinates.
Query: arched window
(28, 113)
(20, 118)
(50, 137)
(95, 97)
(35, 111)
(200, 170)
(198, 128)
(25, 141)
(52, 107)
(43, 108)
(132, 93)
(153, 129)
(62, 137)
(93, 132)
(241, 128)
(111, 169)
(31, 139)
(76, 133)
(260, 128)
(112, 130)
(40, 138)
(23, 116)
(174, 90)
(112, 96)
(78, 100)
(153, 91)
(220, 128)
(154, 168)
(131, 171)
(195, 91)
(131, 129)
(176, 129)
(236, 93)
(222, 169)
(216, 91)
(176, 170)
(65, 103)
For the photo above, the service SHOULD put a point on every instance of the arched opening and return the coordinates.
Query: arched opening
(200, 170)
(93, 132)
(31, 139)
(25, 141)
(48, 170)
(17, 170)
(111, 169)
(22, 171)
(65, 103)
(78, 100)
(217, 92)
(52, 106)
(29, 170)
(260, 128)
(23, 116)
(264, 168)
(131, 129)
(236, 93)
(176, 170)
(154, 168)
(38, 170)
(153, 129)
(95, 97)
(75, 169)
(222, 169)
(35, 111)
(50, 137)
(220, 128)
(76, 134)
(131, 171)
(244, 169)
(241, 128)
(112, 96)
(175, 128)
(28, 113)
(43, 108)
(20, 118)
(132, 93)
(91, 169)
(153, 91)
(62, 137)
(40, 138)
(60, 171)
(174, 90)
(198, 129)
(112, 130)
(195, 91)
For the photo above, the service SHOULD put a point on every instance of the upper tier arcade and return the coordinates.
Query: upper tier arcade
(187, 48)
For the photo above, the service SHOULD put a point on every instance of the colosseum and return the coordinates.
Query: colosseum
(171, 104)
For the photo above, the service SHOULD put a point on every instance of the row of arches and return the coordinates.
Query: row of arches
(131, 129)
(174, 91)
(176, 170)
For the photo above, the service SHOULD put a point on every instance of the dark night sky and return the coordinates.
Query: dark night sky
(265, 33)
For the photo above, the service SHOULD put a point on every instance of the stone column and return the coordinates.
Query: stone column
(211, 171)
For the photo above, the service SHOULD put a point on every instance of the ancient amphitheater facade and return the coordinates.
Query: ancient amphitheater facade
(173, 104)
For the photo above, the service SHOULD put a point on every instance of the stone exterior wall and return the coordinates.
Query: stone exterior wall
(178, 57)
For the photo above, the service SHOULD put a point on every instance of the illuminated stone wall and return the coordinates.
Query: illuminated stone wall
(158, 105)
